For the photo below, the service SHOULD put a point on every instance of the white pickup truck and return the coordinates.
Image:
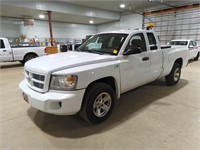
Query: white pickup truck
(22, 54)
(191, 45)
(90, 79)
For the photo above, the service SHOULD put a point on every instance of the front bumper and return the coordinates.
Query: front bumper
(53, 102)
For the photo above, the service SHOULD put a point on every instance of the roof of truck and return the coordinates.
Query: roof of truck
(181, 40)
(3, 38)
(123, 31)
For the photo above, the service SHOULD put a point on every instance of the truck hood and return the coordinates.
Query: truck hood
(176, 46)
(60, 61)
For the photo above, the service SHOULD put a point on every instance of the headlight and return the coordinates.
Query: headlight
(63, 82)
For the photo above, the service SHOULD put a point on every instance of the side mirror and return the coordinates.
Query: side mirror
(135, 50)
(153, 47)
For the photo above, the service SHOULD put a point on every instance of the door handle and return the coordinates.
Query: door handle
(4, 50)
(145, 58)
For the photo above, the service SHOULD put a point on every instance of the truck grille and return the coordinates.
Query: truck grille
(36, 81)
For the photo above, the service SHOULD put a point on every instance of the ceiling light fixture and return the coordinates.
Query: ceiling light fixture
(41, 16)
(122, 5)
(91, 21)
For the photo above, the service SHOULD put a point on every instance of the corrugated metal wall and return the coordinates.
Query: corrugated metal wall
(176, 25)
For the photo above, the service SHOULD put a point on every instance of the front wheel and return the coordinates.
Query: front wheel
(174, 75)
(197, 57)
(98, 103)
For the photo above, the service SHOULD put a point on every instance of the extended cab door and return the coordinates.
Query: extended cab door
(5, 51)
(135, 67)
(156, 56)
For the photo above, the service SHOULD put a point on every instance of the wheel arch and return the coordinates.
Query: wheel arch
(179, 61)
(111, 81)
(29, 53)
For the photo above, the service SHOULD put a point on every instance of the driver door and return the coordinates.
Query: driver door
(135, 69)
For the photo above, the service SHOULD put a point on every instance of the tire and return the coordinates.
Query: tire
(98, 103)
(29, 57)
(174, 75)
(197, 57)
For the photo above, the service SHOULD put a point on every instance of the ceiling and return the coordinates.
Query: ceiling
(141, 5)
(13, 9)
(26, 13)
(113, 5)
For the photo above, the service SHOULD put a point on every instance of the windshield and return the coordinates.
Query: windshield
(178, 43)
(104, 43)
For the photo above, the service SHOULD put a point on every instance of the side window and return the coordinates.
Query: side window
(137, 40)
(152, 41)
(151, 37)
(190, 44)
(194, 43)
(2, 44)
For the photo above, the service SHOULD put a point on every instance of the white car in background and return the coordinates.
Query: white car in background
(193, 47)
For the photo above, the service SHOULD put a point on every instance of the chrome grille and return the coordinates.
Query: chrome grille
(34, 80)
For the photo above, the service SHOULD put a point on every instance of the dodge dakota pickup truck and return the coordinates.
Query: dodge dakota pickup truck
(89, 80)
(22, 54)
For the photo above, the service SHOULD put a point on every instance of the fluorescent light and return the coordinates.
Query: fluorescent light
(122, 5)
(91, 21)
(41, 16)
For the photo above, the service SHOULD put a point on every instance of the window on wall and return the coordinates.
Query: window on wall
(2, 44)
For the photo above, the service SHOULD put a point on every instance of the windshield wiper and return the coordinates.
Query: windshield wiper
(96, 52)
(77, 50)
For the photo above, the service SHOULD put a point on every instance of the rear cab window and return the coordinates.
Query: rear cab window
(152, 41)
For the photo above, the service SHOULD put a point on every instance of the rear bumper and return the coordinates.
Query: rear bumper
(53, 102)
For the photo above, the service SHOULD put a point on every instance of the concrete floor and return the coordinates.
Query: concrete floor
(151, 117)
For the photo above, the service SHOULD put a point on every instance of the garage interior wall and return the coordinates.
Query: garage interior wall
(131, 21)
(12, 28)
(183, 24)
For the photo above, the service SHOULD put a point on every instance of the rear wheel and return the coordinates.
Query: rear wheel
(197, 57)
(29, 57)
(98, 103)
(174, 75)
